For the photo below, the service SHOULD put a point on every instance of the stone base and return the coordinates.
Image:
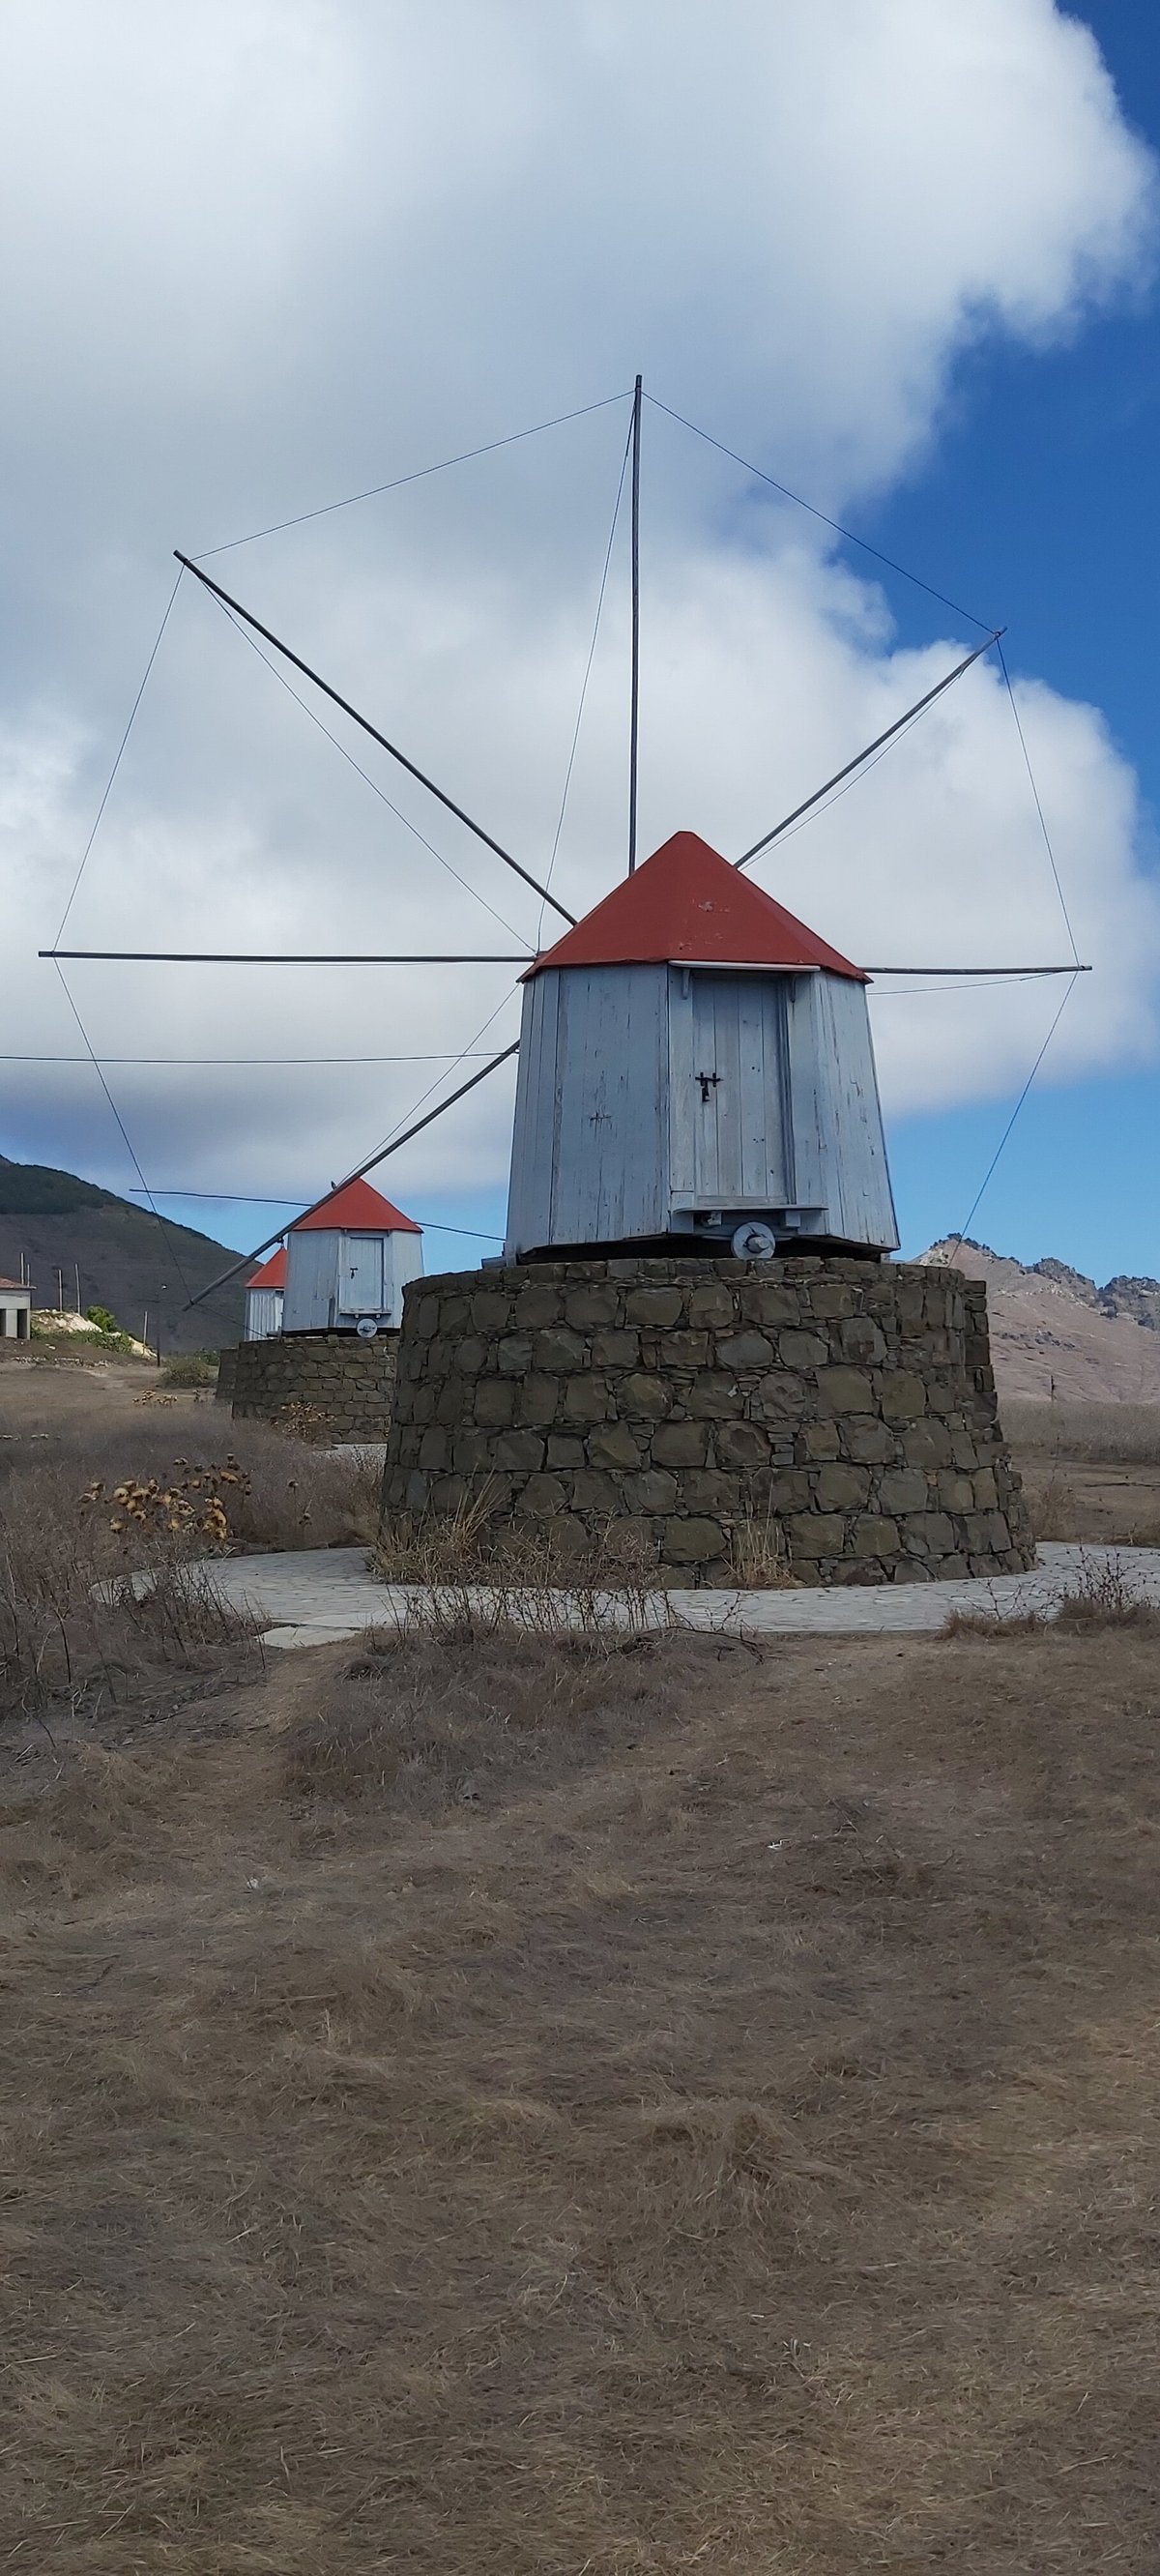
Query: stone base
(323, 1386)
(713, 1415)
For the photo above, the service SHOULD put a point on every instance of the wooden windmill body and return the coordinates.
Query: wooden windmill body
(265, 1293)
(348, 1262)
(696, 1073)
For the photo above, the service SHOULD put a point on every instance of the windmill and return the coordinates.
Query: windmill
(694, 1329)
(795, 1084)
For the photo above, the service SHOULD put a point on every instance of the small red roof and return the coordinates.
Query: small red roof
(355, 1209)
(686, 906)
(272, 1273)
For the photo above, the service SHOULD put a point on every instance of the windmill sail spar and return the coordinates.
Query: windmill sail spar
(371, 1165)
(880, 740)
(227, 601)
(634, 713)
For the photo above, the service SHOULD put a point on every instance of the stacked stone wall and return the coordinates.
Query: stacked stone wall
(845, 1409)
(325, 1386)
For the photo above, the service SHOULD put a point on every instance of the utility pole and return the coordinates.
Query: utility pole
(636, 402)
(59, 1291)
(77, 1276)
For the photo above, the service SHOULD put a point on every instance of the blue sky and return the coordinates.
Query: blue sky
(1040, 505)
(338, 279)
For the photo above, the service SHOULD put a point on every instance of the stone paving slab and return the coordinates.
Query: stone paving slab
(313, 1596)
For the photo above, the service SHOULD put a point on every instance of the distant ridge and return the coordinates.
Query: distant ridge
(54, 1220)
(1053, 1330)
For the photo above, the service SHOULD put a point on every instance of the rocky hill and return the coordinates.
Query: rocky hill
(53, 1221)
(1054, 1331)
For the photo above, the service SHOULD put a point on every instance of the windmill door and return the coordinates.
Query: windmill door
(360, 1275)
(730, 1130)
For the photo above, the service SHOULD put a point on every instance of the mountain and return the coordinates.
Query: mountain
(1054, 1331)
(127, 1261)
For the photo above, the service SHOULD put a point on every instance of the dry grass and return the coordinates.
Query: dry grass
(1105, 1434)
(502, 2111)
(465, 1548)
(90, 1492)
(296, 1495)
(1103, 1594)
(1090, 1471)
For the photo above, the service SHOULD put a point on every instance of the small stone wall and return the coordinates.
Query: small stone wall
(325, 1386)
(690, 1404)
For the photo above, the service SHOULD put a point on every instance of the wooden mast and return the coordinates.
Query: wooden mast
(632, 740)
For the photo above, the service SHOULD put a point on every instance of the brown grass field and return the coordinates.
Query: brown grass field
(560, 2109)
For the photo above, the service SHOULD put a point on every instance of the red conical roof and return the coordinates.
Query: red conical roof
(272, 1273)
(355, 1209)
(686, 906)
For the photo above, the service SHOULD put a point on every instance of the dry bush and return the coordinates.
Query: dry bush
(302, 1496)
(1101, 1595)
(294, 1495)
(191, 1369)
(86, 1502)
(461, 1551)
(454, 1553)
(71, 1630)
(759, 1553)
(1105, 1434)
(424, 1723)
(992, 1626)
(467, 1578)
(1053, 1507)
(1104, 1595)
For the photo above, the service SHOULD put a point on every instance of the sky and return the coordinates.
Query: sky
(263, 256)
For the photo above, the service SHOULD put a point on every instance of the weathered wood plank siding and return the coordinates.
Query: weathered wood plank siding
(592, 1077)
(859, 1194)
(311, 1282)
(730, 1133)
(332, 1278)
(263, 1313)
(534, 1138)
(650, 1096)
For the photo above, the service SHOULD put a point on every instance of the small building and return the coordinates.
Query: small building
(696, 1069)
(15, 1310)
(348, 1262)
(264, 1295)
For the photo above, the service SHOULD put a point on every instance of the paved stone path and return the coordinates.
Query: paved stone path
(311, 1596)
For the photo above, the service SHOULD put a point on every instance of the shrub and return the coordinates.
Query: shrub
(191, 1368)
(100, 1316)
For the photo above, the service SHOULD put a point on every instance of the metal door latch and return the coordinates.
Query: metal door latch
(708, 1082)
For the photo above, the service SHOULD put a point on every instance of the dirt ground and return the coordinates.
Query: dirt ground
(505, 2108)
(1089, 1470)
(515, 2108)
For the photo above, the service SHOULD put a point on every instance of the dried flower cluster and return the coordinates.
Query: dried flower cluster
(192, 1504)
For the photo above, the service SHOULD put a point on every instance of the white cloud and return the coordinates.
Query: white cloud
(268, 252)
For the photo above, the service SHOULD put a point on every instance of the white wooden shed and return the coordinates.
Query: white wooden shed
(264, 1298)
(347, 1263)
(15, 1311)
(694, 1062)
